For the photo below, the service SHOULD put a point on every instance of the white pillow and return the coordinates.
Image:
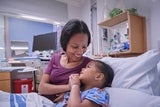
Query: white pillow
(138, 73)
(121, 97)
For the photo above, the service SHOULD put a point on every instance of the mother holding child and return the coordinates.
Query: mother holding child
(62, 73)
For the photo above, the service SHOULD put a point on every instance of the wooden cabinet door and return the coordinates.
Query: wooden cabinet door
(5, 81)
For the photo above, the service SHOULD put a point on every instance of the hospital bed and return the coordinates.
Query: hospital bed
(136, 84)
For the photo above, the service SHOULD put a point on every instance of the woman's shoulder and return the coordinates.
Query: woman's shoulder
(87, 59)
(56, 55)
(55, 58)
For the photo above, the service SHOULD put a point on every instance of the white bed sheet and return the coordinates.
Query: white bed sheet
(121, 97)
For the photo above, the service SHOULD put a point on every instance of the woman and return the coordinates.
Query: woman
(75, 38)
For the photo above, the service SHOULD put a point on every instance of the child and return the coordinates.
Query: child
(93, 79)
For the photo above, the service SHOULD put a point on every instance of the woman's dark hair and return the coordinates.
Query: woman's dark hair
(107, 71)
(74, 26)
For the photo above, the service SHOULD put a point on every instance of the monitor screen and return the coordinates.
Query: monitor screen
(45, 42)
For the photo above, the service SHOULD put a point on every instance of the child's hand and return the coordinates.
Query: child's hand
(74, 80)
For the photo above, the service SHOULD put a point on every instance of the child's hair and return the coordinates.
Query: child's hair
(107, 71)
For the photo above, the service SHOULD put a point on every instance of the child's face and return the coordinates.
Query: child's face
(89, 72)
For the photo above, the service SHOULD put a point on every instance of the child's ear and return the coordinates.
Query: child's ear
(99, 76)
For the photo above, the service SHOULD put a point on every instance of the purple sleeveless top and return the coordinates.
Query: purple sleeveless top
(60, 75)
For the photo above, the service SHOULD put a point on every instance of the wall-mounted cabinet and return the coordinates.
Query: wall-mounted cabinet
(126, 34)
(19, 48)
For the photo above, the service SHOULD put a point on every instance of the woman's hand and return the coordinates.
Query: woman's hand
(60, 97)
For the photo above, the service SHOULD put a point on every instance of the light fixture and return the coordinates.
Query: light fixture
(57, 23)
(33, 17)
(2, 48)
(19, 48)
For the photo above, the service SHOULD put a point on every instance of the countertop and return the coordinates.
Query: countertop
(18, 69)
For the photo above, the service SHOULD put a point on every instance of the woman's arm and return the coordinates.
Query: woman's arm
(47, 89)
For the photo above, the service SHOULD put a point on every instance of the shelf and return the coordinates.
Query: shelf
(123, 54)
(135, 29)
(115, 20)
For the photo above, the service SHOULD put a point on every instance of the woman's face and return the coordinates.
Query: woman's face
(76, 47)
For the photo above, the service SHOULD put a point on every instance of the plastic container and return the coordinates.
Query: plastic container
(22, 85)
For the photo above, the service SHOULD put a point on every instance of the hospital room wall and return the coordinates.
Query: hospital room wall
(24, 30)
(151, 15)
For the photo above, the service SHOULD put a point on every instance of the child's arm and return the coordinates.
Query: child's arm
(75, 99)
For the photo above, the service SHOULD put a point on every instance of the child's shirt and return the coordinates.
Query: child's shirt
(99, 96)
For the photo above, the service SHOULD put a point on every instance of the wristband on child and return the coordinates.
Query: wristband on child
(75, 85)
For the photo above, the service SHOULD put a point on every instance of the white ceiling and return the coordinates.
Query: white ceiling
(44, 6)
(73, 2)
(141, 3)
